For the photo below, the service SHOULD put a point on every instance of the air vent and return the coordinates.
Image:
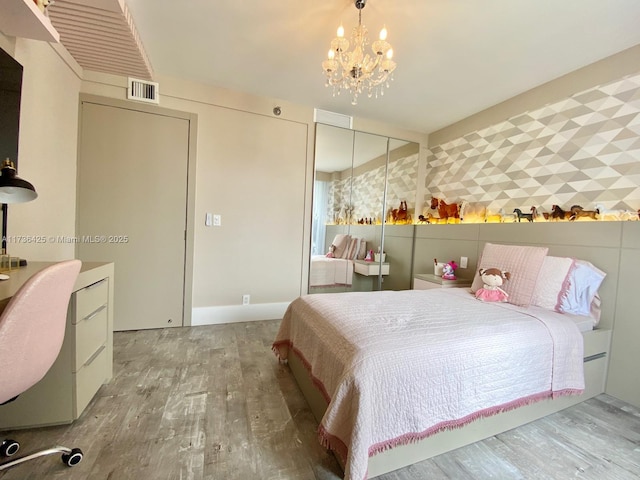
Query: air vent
(143, 91)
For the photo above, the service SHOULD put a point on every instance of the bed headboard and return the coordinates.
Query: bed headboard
(608, 245)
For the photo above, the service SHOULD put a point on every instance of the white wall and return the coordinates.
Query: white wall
(47, 149)
(52, 82)
(256, 169)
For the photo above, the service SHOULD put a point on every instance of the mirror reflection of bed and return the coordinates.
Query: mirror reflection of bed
(359, 179)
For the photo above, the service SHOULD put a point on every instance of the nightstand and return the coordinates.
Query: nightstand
(426, 281)
(370, 268)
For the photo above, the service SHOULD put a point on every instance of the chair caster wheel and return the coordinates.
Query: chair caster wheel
(73, 458)
(9, 448)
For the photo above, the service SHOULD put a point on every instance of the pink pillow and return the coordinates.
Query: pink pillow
(522, 262)
(341, 243)
(553, 282)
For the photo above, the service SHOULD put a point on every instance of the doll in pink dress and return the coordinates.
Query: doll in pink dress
(491, 291)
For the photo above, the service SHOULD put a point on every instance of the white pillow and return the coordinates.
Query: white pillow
(581, 297)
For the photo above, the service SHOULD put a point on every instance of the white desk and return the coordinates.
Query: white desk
(85, 361)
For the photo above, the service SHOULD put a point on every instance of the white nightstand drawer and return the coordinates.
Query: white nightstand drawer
(419, 284)
(426, 281)
(370, 268)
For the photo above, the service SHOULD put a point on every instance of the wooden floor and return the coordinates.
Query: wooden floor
(213, 403)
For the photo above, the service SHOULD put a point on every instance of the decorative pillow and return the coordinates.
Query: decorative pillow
(352, 250)
(362, 251)
(340, 242)
(523, 262)
(581, 297)
(553, 282)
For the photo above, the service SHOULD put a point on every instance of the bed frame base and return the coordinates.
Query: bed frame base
(596, 355)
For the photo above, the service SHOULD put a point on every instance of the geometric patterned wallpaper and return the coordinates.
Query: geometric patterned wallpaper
(583, 150)
(366, 192)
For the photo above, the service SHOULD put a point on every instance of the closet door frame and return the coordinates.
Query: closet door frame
(192, 118)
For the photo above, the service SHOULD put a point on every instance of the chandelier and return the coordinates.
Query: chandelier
(356, 71)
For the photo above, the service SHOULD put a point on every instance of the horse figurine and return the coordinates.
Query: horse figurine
(577, 211)
(538, 215)
(445, 210)
(345, 215)
(520, 215)
(428, 218)
(401, 214)
(472, 212)
(608, 213)
(558, 213)
(494, 216)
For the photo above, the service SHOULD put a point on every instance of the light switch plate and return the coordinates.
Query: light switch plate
(217, 220)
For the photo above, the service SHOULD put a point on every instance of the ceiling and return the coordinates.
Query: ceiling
(455, 57)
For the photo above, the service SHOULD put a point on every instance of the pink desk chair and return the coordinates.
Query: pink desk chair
(31, 334)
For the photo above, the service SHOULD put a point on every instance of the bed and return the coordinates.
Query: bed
(329, 272)
(398, 377)
(336, 267)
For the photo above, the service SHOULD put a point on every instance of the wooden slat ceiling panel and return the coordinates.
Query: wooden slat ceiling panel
(99, 38)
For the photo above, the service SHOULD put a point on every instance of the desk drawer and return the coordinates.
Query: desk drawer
(88, 380)
(90, 299)
(90, 335)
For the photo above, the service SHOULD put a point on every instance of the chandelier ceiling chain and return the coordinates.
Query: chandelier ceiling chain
(357, 71)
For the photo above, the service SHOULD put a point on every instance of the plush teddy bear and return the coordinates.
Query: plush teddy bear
(492, 279)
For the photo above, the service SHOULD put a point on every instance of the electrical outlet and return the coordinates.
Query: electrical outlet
(217, 220)
(246, 299)
(464, 262)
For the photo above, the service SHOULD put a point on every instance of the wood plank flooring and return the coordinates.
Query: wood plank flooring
(213, 403)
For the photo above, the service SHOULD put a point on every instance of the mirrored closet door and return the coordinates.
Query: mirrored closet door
(364, 185)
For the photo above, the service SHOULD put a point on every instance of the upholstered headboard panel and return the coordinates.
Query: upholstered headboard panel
(598, 242)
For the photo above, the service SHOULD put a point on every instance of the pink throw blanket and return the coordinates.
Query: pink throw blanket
(396, 367)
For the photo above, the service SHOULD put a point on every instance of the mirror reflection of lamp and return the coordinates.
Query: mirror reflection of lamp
(13, 189)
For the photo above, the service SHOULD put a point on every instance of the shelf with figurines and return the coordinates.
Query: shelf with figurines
(440, 212)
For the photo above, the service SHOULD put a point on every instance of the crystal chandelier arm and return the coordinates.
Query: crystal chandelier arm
(357, 71)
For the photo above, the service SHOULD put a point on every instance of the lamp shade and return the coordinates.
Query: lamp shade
(14, 189)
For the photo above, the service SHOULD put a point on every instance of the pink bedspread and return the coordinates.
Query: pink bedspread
(396, 367)
(327, 272)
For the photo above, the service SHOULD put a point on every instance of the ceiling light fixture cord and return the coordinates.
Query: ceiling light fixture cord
(356, 71)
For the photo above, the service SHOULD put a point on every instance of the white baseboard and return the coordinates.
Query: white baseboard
(237, 313)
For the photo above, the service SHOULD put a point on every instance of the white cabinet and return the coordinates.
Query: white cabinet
(85, 361)
(23, 18)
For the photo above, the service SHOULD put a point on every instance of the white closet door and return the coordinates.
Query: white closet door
(132, 197)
